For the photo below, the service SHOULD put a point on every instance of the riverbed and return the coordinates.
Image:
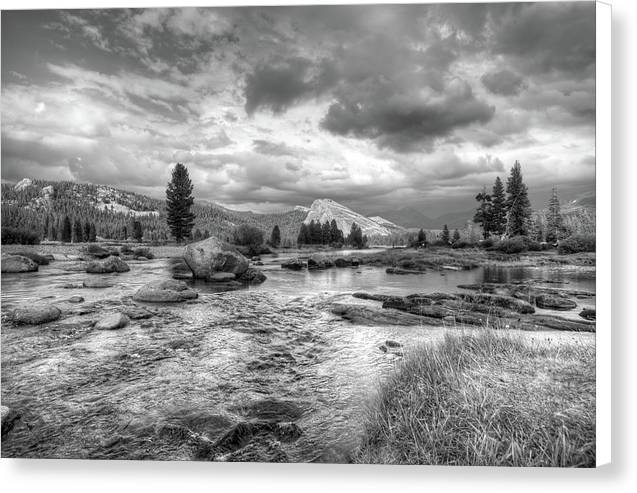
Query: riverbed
(265, 353)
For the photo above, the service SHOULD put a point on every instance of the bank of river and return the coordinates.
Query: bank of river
(164, 387)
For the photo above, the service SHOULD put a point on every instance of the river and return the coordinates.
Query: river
(266, 352)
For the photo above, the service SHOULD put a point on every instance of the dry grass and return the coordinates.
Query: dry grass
(487, 399)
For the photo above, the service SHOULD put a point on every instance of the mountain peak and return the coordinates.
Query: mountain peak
(326, 210)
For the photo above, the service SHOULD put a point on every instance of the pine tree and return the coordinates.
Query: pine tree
(484, 213)
(86, 234)
(444, 236)
(336, 235)
(179, 200)
(92, 236)
(302, 238)
(422, 238)
(78, 232)
(138, 233)
(355, 237)
(517, 203)
(456, 235)
(275, 236)
(66, 233)
(326, 233)
(554, 221)
(498, 208)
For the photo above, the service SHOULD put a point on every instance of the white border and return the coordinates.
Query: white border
(603, 256)
(69, 476)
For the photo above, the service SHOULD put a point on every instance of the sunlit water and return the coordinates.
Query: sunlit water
(87, 393)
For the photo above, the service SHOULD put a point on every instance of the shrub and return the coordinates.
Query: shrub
(517, 244)
(19, 236)
(577, 243)
(249, 236)
(462, 244)
(488, 243)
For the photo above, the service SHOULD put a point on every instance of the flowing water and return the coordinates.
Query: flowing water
(271, 352)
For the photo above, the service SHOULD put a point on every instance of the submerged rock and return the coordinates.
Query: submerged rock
(75, 299)
(112, 322)
(35, 315)
(552, 302)
(138, 313)
(110, 264)
(222, 277)
(293, 264)
(97, 283)
(8, 418)
(165, 291)
(210, 256)
(16, 263)
(366, 315)
(398, 270)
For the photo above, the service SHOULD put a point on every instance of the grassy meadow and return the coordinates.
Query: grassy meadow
(486, 399)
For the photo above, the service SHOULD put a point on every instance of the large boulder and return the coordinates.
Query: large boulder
(112, 322)
(35, 256)
(110, 264)
(97, 251)
(166, 291)
(210, 256)
(36, 314)
(18, 263)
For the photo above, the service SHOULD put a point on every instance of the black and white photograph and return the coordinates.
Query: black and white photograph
(346, 234)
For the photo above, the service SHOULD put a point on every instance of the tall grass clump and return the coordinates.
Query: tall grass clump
(486, 399)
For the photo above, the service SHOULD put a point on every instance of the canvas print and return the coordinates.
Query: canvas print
(342, 234)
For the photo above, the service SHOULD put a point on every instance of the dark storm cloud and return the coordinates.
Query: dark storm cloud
(407, 120)
(548, 36)
(279, 84)
(503, 82)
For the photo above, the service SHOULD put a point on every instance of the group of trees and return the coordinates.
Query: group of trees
(508, 215)
(316, 233)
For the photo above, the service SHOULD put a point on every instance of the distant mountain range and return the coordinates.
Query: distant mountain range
(29, 202)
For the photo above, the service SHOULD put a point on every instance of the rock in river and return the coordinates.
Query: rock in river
(211, 256)
(587, 314)
(97, 283)
(8, 418)
(252, 276)
(553, 302)
(37, 314)
(110, 264)
(18, 263)
(222, 277)
(166, 291)
(293, 264)
(112, 322)
(36, 257)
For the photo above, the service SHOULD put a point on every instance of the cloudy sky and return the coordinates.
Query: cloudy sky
(377, 107)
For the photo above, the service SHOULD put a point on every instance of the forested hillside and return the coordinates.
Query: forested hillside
(40, 207)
